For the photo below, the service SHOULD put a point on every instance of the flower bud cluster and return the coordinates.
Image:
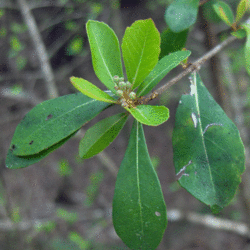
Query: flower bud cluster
(123, 89)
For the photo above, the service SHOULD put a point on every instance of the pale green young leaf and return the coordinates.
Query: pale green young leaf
(224, 11)
(166, 64)
(139, 210)
(99, 136)
(90, 90)
(105, 52)
(140, 50)
(241, 9)
(150, 115)
(208, 152)
(246, 26)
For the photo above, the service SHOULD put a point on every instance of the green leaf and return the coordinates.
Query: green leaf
(140, 50)
(166, 64)
(171, 41)
(90, 90)
(105, 51)
(208, 151)
(52, 121)
(224, 11)
(246, 26)
(181, 14)
(16, 162)
(241, 9)
(150, 115)
(98, 137)
(139, 210)
(240, 33)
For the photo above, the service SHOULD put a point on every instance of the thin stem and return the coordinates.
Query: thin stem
(40, 49)
(194, 67)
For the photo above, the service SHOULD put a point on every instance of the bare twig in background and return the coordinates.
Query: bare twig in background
(195, 66)
(209, 221)
(40, 49)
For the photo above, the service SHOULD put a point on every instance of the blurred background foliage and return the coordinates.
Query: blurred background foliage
(64, 202)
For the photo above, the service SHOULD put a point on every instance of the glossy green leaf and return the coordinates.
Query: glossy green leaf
(161, 69)
(150, 115)
(181, 14)
(246, 26)
(98, 137)
(241, 9)
(224, 11)
(90, 90)
(140, 50)
(208, 151)
(52, 121)
(139, 210)
(16, 162)
(105, 52)
(171, 41)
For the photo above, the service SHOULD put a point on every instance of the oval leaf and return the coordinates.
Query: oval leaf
(208, 151)
(105, 52)
(166, 64)
(52, 121)
(98, 137)
(140, 50)
(150, 115)
(139, 210)
(181, 14)
(16, 162)
(224, 11)
(241, 9)
(90, 90)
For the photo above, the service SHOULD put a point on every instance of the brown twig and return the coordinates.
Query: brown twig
(195, 66)
(40, 48)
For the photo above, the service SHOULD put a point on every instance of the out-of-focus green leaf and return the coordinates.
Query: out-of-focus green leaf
(75, 46)
(209, 12)
(224, 11)
(161, 69)
(105, 52)
(181, 14)
(90, 90)
(139, 210)
(246, 26)
(98, 137)
(52, 121)
(241, 9)
(208, 151)
(140, 50)
(150, 115)
(241, 33)
(171, 41)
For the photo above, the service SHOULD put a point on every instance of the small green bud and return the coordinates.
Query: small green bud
(116, 78)
(132, 95)
(119, 92)
(121, 79)
(128, 84)
(122, 85)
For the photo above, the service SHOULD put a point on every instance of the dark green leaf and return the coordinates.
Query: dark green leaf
(171, 41)
(224, 11)
(209, 13)
(105, 51)
(98, 137)
(139, 210)
(181, 14)
(15, 162)
(90, 90)
(208, 151)
(166, 64)
(150, 115)
(140, 50)
(52, 121)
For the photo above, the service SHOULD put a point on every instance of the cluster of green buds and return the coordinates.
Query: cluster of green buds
(124, 90)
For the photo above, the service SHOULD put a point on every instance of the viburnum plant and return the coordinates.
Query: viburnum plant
(208, 151)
